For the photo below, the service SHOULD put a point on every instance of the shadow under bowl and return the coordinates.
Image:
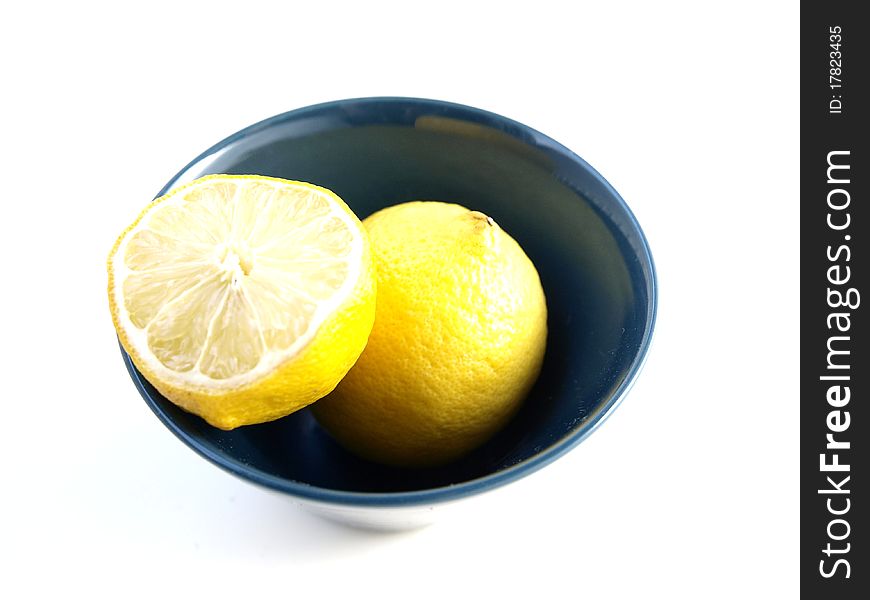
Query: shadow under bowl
(594, 262)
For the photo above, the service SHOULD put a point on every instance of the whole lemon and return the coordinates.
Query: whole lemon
(458, 341)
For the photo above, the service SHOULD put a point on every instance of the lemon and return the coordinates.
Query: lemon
(243, 298)
(459, 338)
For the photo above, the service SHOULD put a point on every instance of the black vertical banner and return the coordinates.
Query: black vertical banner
(835, 300)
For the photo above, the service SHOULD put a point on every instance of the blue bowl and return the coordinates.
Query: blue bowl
(594, 262)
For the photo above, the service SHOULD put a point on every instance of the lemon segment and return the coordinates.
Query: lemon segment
(243, 298)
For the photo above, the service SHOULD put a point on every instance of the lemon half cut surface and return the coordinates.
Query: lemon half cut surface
(243, 298)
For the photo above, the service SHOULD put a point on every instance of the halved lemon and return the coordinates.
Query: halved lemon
(243, 298)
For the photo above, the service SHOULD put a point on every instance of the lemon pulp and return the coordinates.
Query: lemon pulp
(223, 285)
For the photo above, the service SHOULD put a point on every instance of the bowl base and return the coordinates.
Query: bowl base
(375, 519)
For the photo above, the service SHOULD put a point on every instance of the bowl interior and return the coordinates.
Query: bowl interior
(590, 254)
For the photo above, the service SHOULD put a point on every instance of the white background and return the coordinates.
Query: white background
(690, 490)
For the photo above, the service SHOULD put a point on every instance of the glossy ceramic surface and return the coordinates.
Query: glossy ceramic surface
(593, 259)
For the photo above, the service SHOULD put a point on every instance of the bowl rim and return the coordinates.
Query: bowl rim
(429, 496)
